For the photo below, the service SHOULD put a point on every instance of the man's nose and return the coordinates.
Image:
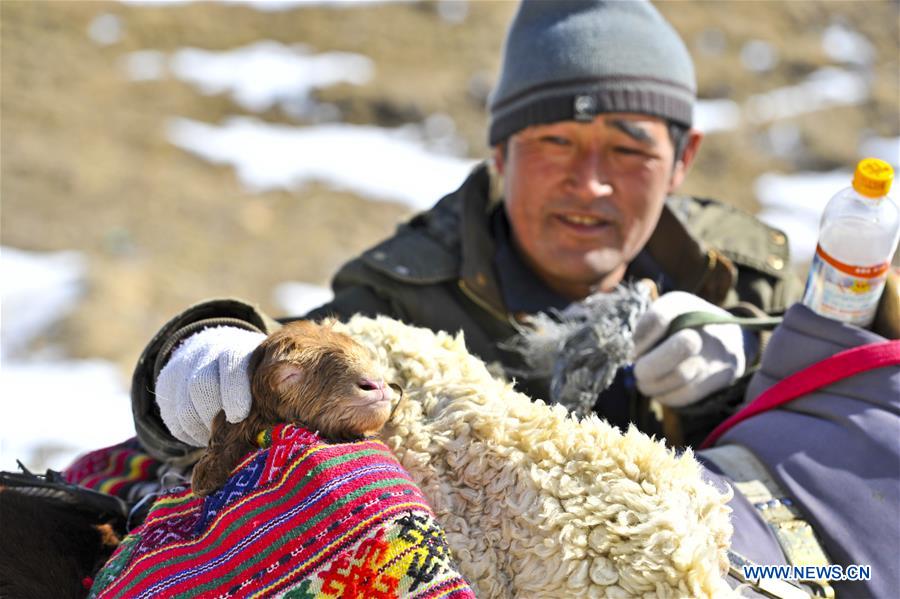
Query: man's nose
(589, 177)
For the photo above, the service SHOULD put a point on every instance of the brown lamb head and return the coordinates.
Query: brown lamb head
(306, 373)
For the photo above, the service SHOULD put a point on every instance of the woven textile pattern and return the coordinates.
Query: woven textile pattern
(299, 518)
(120, 470)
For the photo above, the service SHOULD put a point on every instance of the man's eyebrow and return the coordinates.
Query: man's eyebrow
(632, 130)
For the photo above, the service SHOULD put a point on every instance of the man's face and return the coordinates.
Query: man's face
(583, 198)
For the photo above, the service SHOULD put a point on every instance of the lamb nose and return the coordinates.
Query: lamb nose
(370, 385)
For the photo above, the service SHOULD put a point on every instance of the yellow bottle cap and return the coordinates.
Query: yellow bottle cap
(873, 177)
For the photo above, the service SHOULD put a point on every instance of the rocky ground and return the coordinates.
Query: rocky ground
(85, 163)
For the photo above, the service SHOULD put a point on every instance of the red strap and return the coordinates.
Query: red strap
(830, 370)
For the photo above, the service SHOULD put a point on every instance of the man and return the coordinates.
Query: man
(591, 132)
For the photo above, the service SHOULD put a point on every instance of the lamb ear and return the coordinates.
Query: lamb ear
(288, 375)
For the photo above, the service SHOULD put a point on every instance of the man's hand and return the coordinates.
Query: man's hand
(690, 364)
(206, 374)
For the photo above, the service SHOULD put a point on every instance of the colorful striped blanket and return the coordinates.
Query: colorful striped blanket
(123, 470)
(299, 518)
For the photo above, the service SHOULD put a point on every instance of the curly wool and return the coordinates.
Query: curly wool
(535, 502)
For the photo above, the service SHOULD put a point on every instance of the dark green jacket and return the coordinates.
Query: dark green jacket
(437, 272)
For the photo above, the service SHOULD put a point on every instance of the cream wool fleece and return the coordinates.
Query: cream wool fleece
(536, 503)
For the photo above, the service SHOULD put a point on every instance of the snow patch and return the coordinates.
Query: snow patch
(716, 115)
(794, 204)
(105, 29)
(38, 290)
(144, 65)
(296, 299)
(272, 5)
(885, 148)
(52, 410)
(266, 73)
(827, 87)
(843, 44)
(382, 164)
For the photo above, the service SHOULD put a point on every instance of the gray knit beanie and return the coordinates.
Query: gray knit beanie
(574, 59)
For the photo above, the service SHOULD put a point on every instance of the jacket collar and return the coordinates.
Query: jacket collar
(690, 264)
(477, 278)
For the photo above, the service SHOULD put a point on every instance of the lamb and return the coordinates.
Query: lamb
(305, 373)
(298, 499)
(532, 501)
(535, 502)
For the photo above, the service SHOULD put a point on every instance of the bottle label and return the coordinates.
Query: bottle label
(843, 291)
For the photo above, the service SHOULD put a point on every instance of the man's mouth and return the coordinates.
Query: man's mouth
(584, 221)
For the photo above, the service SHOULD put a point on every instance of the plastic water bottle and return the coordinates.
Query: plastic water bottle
(858, 236)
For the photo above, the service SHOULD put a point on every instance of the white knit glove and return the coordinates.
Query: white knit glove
(205, 374)
(690, 364)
